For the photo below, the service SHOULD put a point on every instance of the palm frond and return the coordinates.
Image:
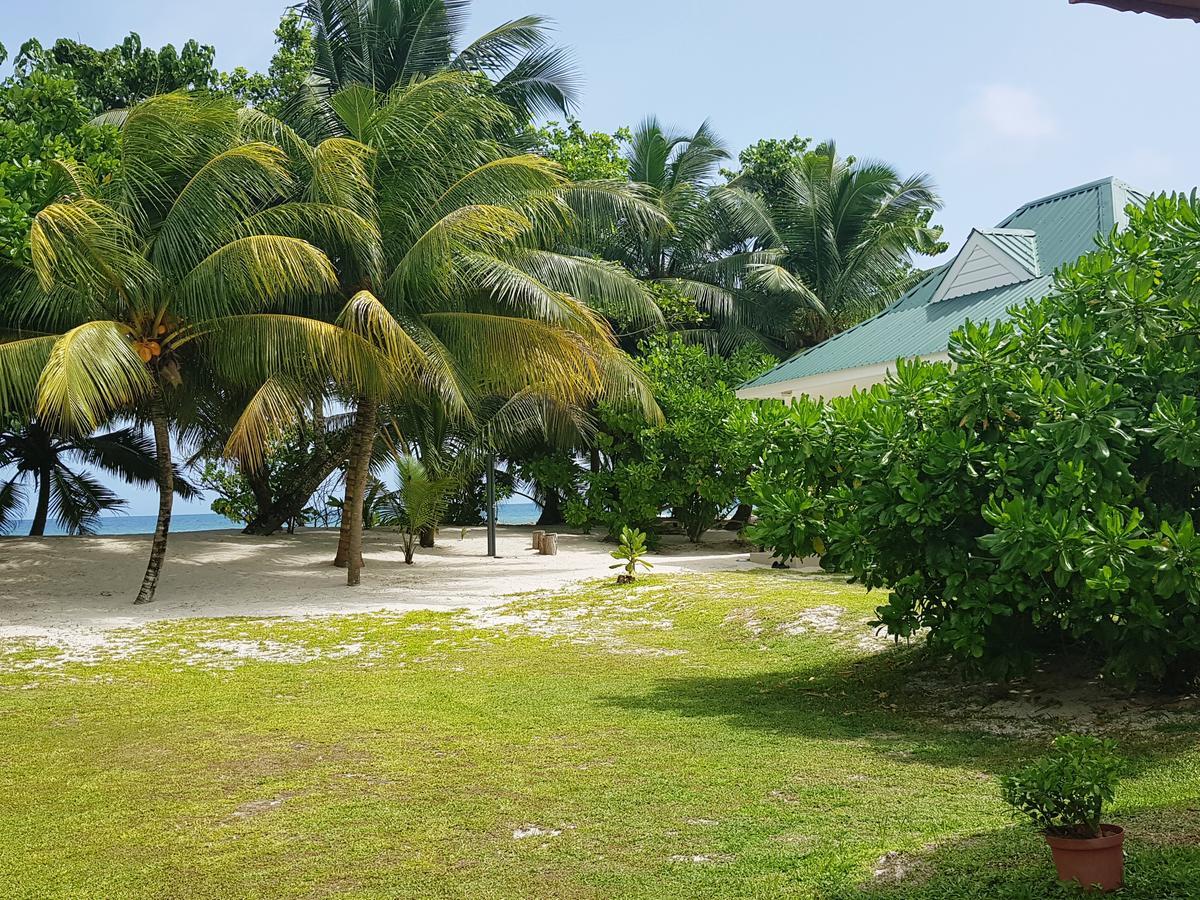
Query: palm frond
(276, 406)
(12, 504)
(21, 364)
(251, 274)
(92, 372)
(604, 286)
(227, 189)
(77, 500)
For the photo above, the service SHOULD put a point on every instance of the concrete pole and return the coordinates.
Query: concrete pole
(491, 505)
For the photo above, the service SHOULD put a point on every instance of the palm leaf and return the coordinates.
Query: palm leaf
(92, 372)
(253, 273)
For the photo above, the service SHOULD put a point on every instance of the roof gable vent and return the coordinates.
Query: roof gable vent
(990, 259)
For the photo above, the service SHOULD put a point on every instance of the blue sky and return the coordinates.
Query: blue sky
(1000, 102)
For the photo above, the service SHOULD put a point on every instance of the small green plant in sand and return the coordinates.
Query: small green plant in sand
(630, 553)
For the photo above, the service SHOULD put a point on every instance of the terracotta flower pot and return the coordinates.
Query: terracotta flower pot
(1096, 863)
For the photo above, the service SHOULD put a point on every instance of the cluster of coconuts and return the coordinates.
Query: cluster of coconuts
(148, 348)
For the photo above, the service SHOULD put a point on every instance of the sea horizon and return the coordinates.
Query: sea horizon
(510, 513)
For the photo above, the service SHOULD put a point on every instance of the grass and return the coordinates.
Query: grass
(739, 735)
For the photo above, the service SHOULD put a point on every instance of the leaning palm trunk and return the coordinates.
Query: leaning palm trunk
(166, 497)
(42, 511)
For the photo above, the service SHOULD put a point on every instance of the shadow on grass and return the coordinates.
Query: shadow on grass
(895, 703)
(1015, 864)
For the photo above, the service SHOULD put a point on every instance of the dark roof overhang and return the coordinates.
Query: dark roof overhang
(1170, 9)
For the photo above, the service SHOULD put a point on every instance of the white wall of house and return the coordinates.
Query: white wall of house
(828, 385)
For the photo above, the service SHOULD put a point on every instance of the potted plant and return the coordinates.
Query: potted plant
(1063, 794)
(631, 553)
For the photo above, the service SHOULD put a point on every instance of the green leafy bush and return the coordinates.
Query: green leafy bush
(630, 554)
(691, 463)
(1064, 793)
(1039, 494)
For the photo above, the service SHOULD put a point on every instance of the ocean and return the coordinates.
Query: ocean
(511, 513)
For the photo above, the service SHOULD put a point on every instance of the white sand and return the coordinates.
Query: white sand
(87, 585)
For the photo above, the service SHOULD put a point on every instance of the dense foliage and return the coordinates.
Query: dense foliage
(120, 76)
(1042, 493)
(43, 121)
(689, 463)
(584, 155)
(49, 107)
(463, 282)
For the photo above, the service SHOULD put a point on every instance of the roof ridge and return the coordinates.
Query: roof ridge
(1108, 181)
(1023, 232)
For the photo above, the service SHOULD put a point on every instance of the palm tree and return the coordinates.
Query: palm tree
(383, 44)
(721, 251)
(847, 230)
(465, 278)
(76, 498)
(170, 277)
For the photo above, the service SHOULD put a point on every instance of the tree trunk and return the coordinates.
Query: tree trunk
(552, 513)
(43, 504)
(364, 434)
(354, 464)
(166, 495)
(279, 511)
(428, 537)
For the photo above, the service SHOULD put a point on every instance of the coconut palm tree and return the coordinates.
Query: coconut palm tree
(721, 252)
(173, 275)
(75, 497)
(383, 44)
(466, 277)
(847, 230)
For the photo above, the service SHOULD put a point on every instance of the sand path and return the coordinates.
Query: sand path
(53, 584)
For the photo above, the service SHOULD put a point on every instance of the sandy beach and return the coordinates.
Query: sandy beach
(52, 584)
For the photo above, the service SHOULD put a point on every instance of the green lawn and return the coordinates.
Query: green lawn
(739, 735)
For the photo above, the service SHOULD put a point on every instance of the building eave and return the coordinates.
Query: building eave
(828, 385)
(1168, 9)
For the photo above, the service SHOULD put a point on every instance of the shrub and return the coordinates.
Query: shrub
(691, 463)
(1063, 794)
(1042, 492)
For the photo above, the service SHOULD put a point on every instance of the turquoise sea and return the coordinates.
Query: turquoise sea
(511, 513)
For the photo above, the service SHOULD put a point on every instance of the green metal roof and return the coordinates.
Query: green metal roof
(1019, 243)
(1042, 236)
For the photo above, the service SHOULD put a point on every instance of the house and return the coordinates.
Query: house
(997, 268)
(1169, 9)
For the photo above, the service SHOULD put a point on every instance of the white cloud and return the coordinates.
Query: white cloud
(1006, 120)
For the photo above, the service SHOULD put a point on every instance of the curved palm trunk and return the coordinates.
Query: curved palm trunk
(166, 496)
(42, 512)
(356, 488)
